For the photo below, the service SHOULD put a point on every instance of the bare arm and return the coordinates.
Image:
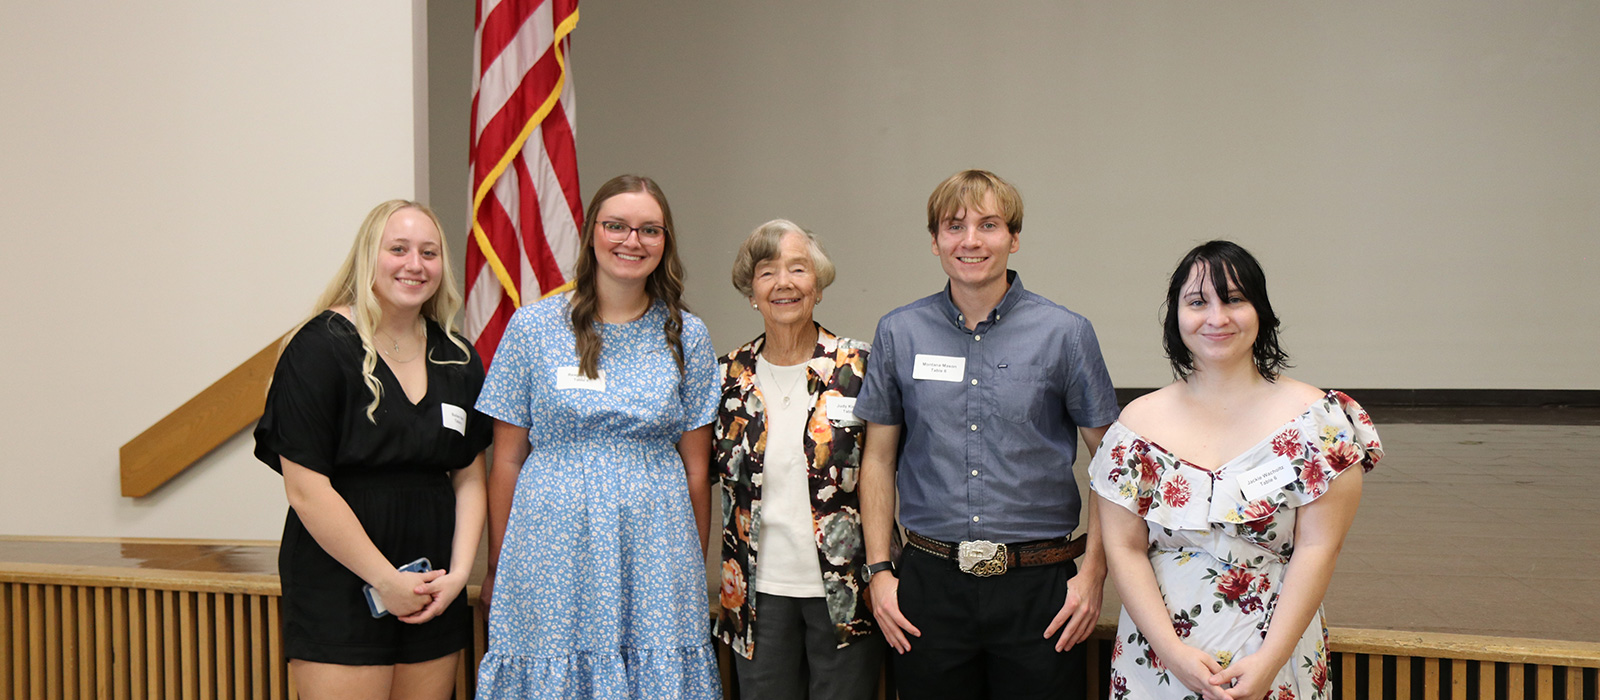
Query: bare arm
(1080, 612)
(511, 449)
(876, 490)
(695, 449)
(469, 489)
(335, 527)
(1320, 528)
(1126, 540)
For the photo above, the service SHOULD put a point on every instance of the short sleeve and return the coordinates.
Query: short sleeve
(879, 401)
(305, 402)
(508, 387)
(700, 390)
(1090, 398)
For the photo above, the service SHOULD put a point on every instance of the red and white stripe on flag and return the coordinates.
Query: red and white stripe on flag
(525, 203)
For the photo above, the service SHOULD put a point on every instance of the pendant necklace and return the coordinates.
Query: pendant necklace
(394, 349)
(784, 393)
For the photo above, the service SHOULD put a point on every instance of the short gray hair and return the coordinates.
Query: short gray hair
(764, 243)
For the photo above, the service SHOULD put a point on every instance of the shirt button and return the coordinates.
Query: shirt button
(974, 472)
(977, 338)
(974, 382)
(974, 426)
(974, 518)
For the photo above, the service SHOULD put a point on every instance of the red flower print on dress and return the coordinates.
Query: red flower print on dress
(1341, 455)
(1284, 693)
(1257, 510)
(1116, 650)
(1118, 452)
(1311, 475)
(1145, 499)
(1149, 470)
(1154, 661)
(1287, 444)
(1175, 493)
(1319, 674)
(1234, 583)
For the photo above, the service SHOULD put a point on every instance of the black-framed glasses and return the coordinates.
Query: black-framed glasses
(649, 234)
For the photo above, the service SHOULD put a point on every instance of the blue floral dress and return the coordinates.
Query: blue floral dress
(1220, 541)
(601, 586)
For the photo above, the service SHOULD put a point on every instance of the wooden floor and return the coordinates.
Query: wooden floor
(1467, 528)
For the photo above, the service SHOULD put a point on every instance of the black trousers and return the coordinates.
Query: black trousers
(984, 637)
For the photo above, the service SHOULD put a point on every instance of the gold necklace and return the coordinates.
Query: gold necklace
(394, 346)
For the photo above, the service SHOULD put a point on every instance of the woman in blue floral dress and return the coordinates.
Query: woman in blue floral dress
(603, 402)
(1226, 498)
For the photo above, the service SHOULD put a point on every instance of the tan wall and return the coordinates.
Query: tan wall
(1419, 179)
(180, 181)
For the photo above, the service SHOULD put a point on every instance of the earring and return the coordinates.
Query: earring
(753, 306)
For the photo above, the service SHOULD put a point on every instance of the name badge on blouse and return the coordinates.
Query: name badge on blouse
(842, 410)
(573, 378)
(1267, 478)
(939, 368)
(455, 418)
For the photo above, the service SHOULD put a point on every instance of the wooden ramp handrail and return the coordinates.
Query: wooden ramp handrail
(198, 426)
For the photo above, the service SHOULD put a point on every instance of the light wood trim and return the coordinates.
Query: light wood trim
(122, 630)
(198, 426)
(8, 654)
(102, 644)
(223, 648)
(142, 579)
(86, 647)
(36, 640)
(1458, 678)
(1374, 677)
(1514, 682)
(190, 650)
(1430, 678)
(241, 662)
(152, 657)
(172, 682)
(206, 649)
(1402, 677)
(276, 673)
(1513, 650)
(1347, 676)
(1486, 679)
(258, 646)
(67, 673)
(1574, 683)
(1545, 684)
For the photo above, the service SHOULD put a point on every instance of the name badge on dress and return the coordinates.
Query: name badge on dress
(455, 418)
(842, 410)
(1267, 478)
(572, 378)
(939, 368)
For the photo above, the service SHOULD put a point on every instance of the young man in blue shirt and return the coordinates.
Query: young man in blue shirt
(975, 398)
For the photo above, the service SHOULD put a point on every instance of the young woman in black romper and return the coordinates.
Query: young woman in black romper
(370, 420)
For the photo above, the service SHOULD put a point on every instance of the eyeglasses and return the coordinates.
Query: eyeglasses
(649, 234)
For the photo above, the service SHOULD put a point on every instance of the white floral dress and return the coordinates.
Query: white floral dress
(1220, 540)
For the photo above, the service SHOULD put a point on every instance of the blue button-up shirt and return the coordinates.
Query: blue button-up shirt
(986, 452)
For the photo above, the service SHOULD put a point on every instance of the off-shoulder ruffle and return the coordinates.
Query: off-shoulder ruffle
(631, 672)
(1332, 435)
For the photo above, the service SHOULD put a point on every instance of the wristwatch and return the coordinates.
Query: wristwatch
(870, 570)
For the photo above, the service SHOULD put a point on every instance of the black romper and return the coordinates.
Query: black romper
(394, 474)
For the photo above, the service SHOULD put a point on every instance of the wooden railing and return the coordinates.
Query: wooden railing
(100, 632)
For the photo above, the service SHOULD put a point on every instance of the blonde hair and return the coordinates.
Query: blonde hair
(766, 243)
(965, 190)
(352, 286)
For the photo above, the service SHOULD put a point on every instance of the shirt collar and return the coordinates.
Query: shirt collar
(1013, 294)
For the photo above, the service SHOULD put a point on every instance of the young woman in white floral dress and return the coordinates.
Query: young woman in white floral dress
(1227, 496)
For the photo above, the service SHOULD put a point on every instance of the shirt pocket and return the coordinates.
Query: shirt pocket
(1018, 391)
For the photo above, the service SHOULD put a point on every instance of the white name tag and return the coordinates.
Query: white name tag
(572, 378)
(939, 368)
(1267, 478)
(455, 418)
(842, 409)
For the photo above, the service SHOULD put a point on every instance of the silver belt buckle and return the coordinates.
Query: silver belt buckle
(981, 558)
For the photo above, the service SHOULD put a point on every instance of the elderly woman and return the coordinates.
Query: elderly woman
(789, 451)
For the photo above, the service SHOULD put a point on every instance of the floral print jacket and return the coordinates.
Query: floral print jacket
(833, 449)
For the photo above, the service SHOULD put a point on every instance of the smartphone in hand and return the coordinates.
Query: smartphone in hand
(375, 602)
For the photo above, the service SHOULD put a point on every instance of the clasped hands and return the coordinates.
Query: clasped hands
(1247, 678)
(416, 597)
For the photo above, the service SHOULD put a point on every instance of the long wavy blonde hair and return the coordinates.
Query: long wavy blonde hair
(352, 286)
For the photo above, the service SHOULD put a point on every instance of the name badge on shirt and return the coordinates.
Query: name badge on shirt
(572, 378)
(455, 418)
(842, 409)
(1267, 478)
(939, 368)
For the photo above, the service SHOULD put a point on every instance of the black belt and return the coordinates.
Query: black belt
(985, 558)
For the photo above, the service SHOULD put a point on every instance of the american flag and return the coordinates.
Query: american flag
(525, 203)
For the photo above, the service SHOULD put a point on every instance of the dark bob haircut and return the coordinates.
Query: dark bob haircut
(1227, 263)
